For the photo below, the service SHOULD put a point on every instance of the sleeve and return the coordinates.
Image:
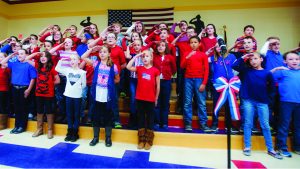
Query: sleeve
(271, 84)
(43, 38)
(124, 44)
(173, 65)
(239, 65)
(32, 72)
(129, 30)
(172, 30)
(53, 72)
(277, 75)
(150, 38)
(6, 49)
(61, 70)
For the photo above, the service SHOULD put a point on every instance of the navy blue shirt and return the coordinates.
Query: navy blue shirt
(256, 85)
(22, 73)
(222, 67)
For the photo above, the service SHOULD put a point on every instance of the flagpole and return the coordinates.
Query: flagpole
(228, 126)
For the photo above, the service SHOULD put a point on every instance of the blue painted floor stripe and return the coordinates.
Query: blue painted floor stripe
(61, 156)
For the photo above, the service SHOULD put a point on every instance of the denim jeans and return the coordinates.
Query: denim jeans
(287, 111)
(87, 98)
(163, 104)
(132, 86)
(249, 107)
(191, 88)
(59, 94)
(73, 112)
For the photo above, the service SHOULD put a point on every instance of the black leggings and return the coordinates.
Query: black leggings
(102, 117)
(4, 103)
(145, 113)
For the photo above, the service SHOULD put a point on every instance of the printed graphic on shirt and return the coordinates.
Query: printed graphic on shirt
(73, 78)
(42, 87)
(146, 76)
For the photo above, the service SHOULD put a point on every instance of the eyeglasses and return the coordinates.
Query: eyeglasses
(274, 44)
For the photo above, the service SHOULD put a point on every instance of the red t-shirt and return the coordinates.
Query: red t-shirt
(146, 88)
(4, 79)
(207, 44)
(117, 56)
(45, 82)
(89, 74)
(196, 66)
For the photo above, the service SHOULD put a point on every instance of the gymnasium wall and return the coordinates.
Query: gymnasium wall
(277, 21)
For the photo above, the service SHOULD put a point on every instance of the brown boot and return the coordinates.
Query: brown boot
(149, 139)
(50, 121)
(39, 121)
(141, 138)
(3, 121)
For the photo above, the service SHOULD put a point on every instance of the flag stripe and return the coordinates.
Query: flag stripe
(151, 15)
(151, 10)
(153, 20)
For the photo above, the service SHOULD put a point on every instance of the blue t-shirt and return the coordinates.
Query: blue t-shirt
(288, 84)
(22, 73)
(219, 67)
(273, 60)
(256, 84)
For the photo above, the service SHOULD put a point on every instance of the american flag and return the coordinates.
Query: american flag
(149, 17)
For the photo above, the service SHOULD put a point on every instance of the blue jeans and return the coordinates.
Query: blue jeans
(191, 88)
(249, 107)
(132, 86)
(87, 98)
(73, 112)
(59, 94)
(288, 110)
(163, 104)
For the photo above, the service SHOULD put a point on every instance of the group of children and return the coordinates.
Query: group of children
(70, 68)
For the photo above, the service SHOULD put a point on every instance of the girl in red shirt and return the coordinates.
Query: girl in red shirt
(47, 77)
(164, 62)
(4, 89)
(147, 92)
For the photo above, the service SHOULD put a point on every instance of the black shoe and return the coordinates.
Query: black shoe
(19, 130)
(69, 135)
(108, 142)
(94, 142)
(75, 135)
(205, 128)
(14, 130)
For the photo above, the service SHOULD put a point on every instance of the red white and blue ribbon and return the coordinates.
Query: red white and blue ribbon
(228, 90)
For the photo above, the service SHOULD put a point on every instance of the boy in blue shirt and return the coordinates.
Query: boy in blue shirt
(22, 79)
(289, 90)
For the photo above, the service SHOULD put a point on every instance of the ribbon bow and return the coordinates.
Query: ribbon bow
(228, 90)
